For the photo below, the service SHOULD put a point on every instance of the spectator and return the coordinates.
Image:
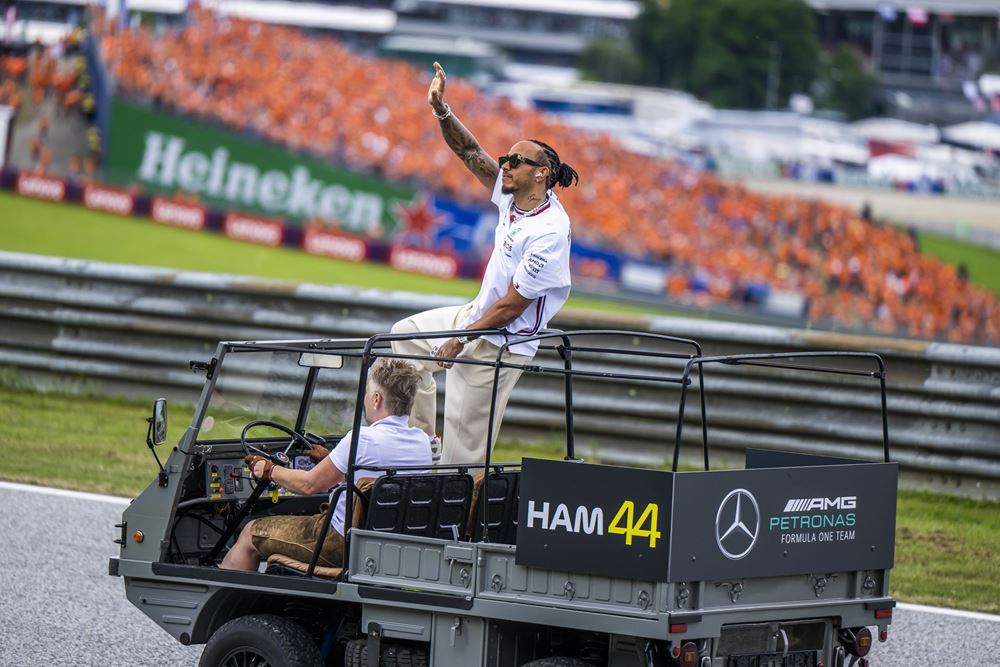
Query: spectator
(278, 83)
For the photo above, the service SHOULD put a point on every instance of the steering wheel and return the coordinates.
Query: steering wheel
(281, 457)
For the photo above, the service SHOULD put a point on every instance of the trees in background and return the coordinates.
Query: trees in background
(732, 53)
(608, 59)
(749, 54)
(845, 84)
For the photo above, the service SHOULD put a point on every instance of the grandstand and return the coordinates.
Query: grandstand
(44, 21)
(549, 32)
(49, 22)
(359, 25)
(923, 52)
(690, 237)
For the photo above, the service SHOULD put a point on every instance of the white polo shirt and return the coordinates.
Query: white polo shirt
(532, 252)
(387, 442)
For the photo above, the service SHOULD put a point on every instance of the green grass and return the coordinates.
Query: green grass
(45, 228)
(946, 548)
(86, 443)
(983, 263)
(946, 552)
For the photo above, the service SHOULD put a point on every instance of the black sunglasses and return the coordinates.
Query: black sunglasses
(515, 160)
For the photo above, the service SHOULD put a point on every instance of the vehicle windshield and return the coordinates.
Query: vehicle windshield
(331, 411)
(254, 385)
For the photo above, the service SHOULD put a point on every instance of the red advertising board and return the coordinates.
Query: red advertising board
(877, 148)
(586, 267)
(41, 187)
(427, 262)
(254, 229)
(101, 198)
(168, 212)
(321, 242)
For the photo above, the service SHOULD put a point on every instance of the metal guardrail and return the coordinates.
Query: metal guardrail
(129, 330)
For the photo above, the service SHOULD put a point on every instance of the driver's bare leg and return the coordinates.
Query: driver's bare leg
(243, 555)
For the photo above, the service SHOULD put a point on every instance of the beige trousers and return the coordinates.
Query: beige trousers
(468, 388)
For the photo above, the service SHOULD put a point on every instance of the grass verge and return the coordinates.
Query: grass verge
(946, 552)
(944, 545)
(45, 228)
(84, 443)
(983, 263)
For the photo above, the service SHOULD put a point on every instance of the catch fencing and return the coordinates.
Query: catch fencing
(127, 330)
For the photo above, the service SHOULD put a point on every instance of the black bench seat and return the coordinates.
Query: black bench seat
(428, 505)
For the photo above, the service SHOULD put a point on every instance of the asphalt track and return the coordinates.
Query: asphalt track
(60, 607)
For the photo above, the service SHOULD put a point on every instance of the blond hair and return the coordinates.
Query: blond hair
(397, 378)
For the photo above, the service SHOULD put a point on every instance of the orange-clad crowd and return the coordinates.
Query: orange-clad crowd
(45, 74)
(45, 77)
(313, 93)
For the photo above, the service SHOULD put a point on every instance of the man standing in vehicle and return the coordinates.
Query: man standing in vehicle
(526, 282)
(387, 441)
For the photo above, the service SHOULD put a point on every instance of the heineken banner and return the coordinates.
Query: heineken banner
(236, 173)
(167, 153)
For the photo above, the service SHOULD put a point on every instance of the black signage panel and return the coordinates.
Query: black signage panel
(594, 519)
(779, 521)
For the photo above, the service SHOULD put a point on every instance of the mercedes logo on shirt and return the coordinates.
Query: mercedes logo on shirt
(737, 524)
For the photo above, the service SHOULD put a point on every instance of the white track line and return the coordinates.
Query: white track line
(944, 611)
(65, 493)
(116, 500)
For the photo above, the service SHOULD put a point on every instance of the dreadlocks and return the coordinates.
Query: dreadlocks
(560, 174)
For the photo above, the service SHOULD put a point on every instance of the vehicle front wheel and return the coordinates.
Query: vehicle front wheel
(262, 641)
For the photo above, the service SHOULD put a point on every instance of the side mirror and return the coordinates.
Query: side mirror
(158, 422)
(320, 360)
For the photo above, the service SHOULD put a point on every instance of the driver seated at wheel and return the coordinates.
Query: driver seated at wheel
(388, 441)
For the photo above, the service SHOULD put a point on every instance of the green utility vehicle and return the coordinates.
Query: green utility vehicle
(784, 562)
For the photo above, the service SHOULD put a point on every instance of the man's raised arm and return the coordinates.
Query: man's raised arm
(459, 139)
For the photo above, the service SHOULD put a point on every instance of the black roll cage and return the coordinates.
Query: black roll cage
(561, 342)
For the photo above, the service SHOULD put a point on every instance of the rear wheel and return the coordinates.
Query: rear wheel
(261, 641)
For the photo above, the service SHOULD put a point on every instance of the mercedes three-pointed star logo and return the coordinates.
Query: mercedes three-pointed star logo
(736, 523)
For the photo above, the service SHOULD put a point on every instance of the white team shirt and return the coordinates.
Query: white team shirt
(533, 253)
(387, 442)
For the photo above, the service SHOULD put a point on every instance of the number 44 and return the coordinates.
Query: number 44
(634, 528)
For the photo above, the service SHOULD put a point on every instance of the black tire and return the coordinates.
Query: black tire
(557, 662)
(393, 655)
(273, 641)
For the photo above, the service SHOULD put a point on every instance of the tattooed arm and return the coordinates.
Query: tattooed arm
(459, 139)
